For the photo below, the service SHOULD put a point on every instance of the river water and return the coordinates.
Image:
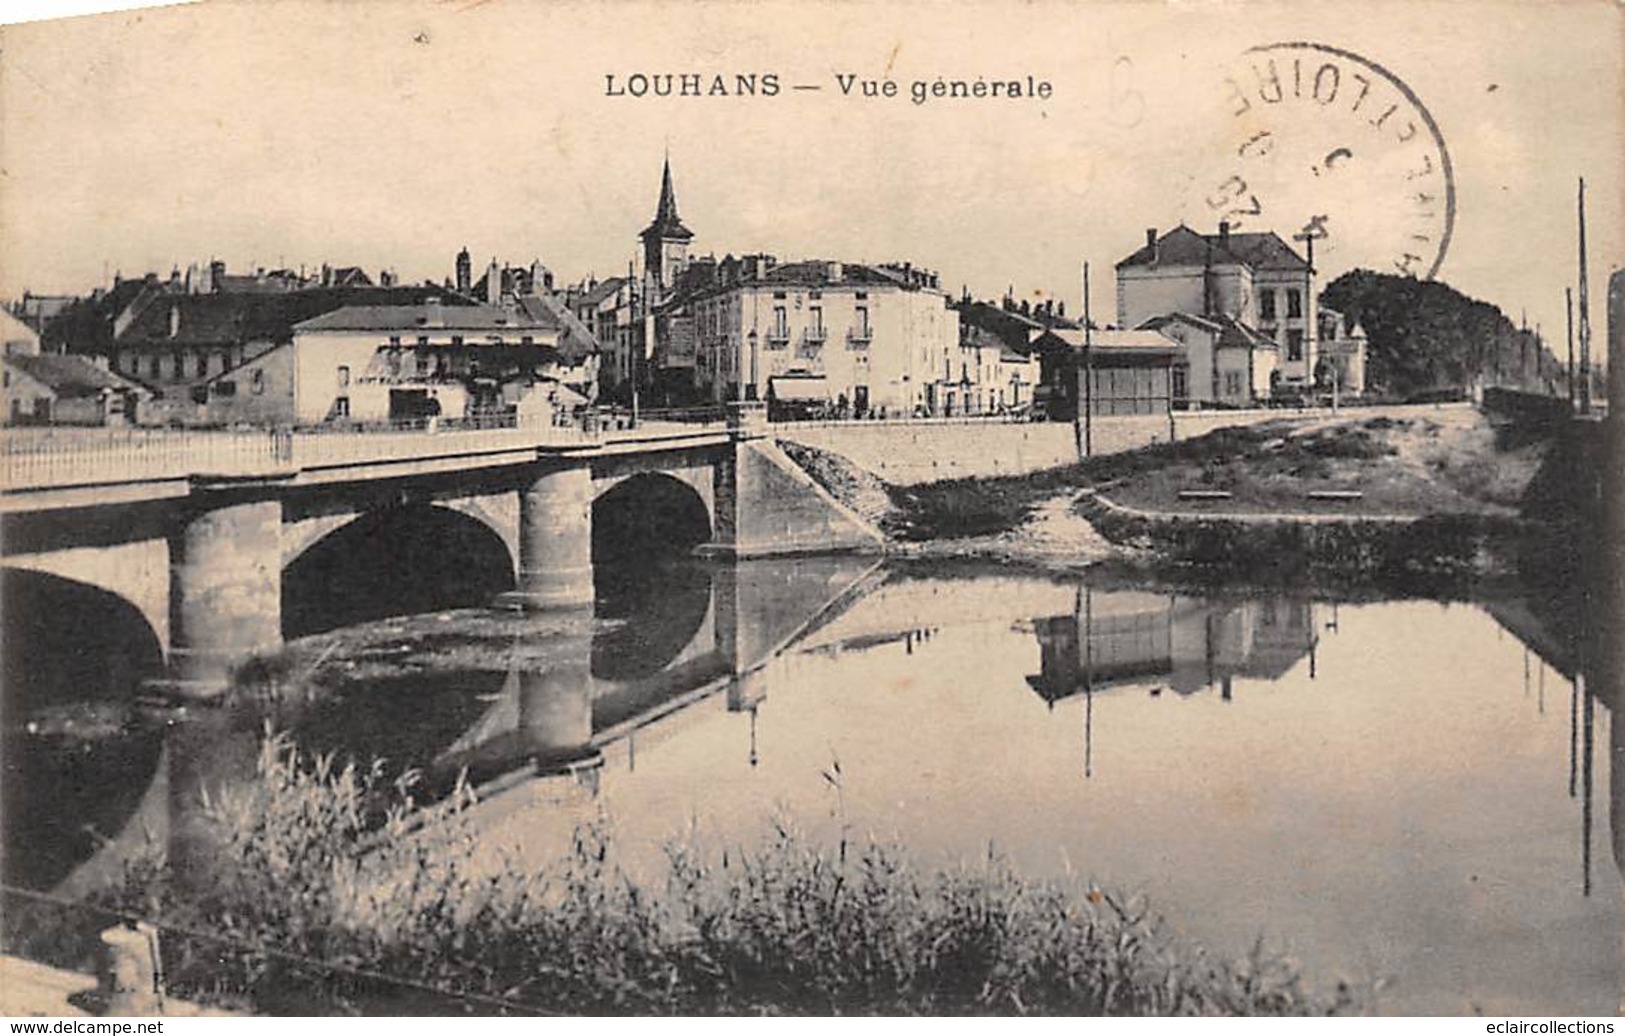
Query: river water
(1408, 792)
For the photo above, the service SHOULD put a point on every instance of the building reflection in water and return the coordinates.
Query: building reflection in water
(1119, 639)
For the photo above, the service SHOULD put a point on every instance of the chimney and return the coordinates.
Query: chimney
(1150, 237)
(835, 272)
(1224, 233)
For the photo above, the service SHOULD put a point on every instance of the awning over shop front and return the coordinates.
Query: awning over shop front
(807, 388)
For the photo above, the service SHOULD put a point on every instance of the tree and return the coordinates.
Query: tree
(1425, 336)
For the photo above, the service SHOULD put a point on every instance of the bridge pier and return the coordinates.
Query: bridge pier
(765, 505)
(555, 705)
(555, 541)
(225, 594)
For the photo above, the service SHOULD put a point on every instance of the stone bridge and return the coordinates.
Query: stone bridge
(211, 544)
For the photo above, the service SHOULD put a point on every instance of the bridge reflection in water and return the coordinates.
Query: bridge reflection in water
(947, 693)
(499, 696)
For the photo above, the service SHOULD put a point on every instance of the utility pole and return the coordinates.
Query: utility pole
(634, 342)
(1585, 313)
(1088, 371)
(1568, 306)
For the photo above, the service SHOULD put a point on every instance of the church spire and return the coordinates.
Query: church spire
(667, 209)
(667, 224)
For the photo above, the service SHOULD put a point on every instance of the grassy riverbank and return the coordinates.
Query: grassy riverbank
(1333, 496)
(306, 906)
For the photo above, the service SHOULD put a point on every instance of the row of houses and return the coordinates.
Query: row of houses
(1224, 319)
(272, 352)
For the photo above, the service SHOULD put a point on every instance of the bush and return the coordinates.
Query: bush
(315, 901)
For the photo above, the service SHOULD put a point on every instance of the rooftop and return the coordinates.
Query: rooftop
(214, 319)
(1183, 246)
(437, 315)
(70, 375)
(1143, 341)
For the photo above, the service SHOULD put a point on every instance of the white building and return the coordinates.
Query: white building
(876, 338)
(390, 363)
(1255, 281)
(854, 337)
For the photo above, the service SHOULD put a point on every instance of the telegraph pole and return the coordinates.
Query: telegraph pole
(1585, 313)
(1088, 371)
(1568, 305)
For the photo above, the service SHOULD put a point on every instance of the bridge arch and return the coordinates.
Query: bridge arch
(75, 656)
(648, 516)
(397, 560)
(136, 573)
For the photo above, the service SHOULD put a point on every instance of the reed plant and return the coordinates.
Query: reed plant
(329, 889)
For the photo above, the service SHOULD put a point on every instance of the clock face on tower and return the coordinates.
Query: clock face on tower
(1322, 145)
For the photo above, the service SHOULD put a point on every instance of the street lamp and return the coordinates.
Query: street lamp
(749, 390)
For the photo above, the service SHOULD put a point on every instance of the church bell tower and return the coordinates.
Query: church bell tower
(665, 241)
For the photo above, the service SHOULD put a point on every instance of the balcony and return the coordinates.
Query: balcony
(859, 338)
(778, 338)
(816, 336)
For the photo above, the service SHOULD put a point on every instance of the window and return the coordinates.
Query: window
(815, 329)
(1232, 383)
(256, 381)
(423, 339)
(202, 364)
(1294, 345)
(152, 367)
(860, 321)
(176, 362)
(1266, 304)
(1294, 303)
(8, 379)
(225, 388)
(341, 406)
(455, 340)
(781, 324)
(523, 340)
(344, 378)
(394, 339)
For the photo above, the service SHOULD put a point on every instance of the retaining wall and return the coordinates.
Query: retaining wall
(909, 452)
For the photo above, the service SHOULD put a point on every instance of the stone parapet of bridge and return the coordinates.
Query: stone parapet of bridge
(216, 519)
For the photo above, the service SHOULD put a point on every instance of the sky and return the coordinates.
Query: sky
(394, 132)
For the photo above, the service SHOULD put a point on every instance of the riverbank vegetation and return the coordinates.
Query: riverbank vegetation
(313, 899)
(1332, 486)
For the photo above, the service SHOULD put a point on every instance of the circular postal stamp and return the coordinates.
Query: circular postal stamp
(1334, 150)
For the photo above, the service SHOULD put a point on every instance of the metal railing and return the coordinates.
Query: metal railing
(1020, 416)
(38, 458)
